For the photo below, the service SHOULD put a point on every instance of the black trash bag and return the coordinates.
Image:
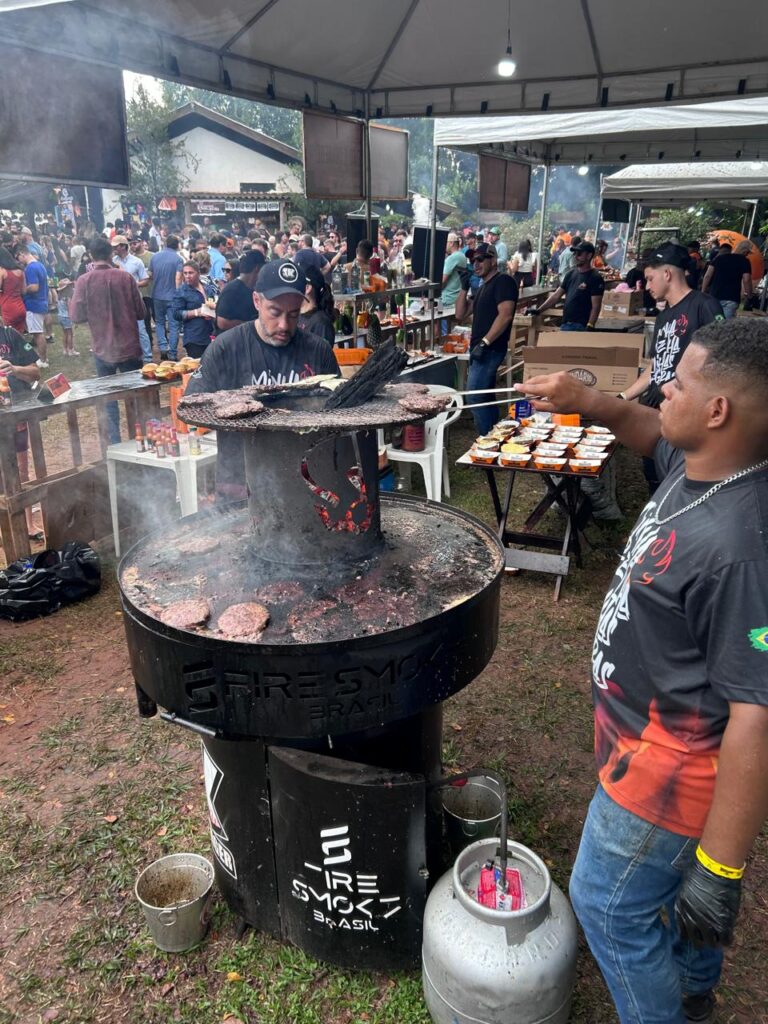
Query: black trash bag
(41, 584)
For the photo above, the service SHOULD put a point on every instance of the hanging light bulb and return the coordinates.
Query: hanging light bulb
(583, 170)
(507, 66)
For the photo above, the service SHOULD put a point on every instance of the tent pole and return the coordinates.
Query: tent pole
(626, 237)
(752, 219)
(744, 223)
(433, 236)
(599, 211)
(367, 167)
(544, 197)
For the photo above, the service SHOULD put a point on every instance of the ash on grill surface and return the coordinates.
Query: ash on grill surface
(433, 558)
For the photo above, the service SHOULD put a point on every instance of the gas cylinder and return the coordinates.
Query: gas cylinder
(487, 966)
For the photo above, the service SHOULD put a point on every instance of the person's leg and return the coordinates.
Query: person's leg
(148, 316)
(572, 326)
(35, 329)
(145, 342)
(482, 376)
(161, 310)
(195, 351)
(729, 308)
(626, 876)
(173, 336)
(104, 369)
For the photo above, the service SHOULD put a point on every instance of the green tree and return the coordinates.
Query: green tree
(155, 159)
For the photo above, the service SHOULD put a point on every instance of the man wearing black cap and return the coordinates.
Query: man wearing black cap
(583, 290)
(686, 310)
(270, 350)
(235, 305)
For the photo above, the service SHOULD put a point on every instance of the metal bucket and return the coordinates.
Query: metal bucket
(175, 893)
(471, 811)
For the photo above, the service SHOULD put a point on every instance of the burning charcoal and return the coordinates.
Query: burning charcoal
(243, 621)
(429, 405)
(186, 614)
(198, 545)
(235, 408)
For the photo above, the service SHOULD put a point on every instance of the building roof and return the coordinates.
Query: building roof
(196, 115)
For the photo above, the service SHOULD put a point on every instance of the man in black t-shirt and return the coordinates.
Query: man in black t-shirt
(680, 680)
(493, 311)
(235, 304)
(271, 350)
(582, 287)
(727, 277)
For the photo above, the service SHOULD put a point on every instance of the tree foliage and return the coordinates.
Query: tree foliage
(155, 159)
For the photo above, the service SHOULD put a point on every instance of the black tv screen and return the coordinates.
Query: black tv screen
(61, 120)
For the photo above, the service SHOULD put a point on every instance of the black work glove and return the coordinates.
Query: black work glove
(477, 352)
(463, 273)
(707, 906)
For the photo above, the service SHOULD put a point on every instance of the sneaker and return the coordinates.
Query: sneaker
(699, 1008)
(43, 365)
(74, 353)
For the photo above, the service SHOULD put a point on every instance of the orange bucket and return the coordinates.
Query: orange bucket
(175, 392)
(352, 356)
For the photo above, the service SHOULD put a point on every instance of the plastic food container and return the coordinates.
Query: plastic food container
(487, 444)
(597, 429)
(590, 453)
(516, 461)
(549, 462)
(585, 465)
(543, 448)
(483, 458)
(598, 440)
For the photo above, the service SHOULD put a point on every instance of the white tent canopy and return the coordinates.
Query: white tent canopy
(677, 184)
(418, 57)
(727, 130)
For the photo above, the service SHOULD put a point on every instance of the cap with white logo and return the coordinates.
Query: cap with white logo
(281, 277)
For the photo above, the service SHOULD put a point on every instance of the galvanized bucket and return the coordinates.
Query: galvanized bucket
(472, 811)
(175, 894)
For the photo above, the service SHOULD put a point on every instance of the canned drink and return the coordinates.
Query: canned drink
(521, 409)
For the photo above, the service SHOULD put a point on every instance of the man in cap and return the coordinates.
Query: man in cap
(680, 681)
(493, 310)
(123, 259)
(502, 253)
(583, 290)
(269, 350)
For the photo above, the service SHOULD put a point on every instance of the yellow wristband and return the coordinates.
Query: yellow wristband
(718, 869)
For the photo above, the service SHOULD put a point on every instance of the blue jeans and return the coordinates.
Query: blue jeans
(623, 888)
(571, 325)
(729, 308)
(104, 369)
(145, 342)
(482, 374)
(166, 342)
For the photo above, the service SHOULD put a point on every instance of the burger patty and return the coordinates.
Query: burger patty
(243, 621)
(198, 545)
(429, 405)
(186, 614)
(190, 400)
(234, 408)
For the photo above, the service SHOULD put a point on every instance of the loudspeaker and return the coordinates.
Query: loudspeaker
(356, 232)
(420, 257)
(616, 210)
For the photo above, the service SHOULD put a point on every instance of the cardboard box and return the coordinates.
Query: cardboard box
(622, 304)
(607, 362)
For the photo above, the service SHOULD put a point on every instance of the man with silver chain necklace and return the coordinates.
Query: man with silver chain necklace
(680, 681)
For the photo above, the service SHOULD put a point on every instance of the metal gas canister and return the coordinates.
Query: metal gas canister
(488, 966)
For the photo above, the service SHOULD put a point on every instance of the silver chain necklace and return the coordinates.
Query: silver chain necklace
(708, 494)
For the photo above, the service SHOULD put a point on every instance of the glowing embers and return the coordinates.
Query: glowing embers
(358, 514)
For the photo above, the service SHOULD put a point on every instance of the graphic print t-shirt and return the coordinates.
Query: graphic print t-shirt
(239, 357)
(682, 632)
(672, 331)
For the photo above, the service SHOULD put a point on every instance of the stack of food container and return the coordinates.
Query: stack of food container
(543, 444)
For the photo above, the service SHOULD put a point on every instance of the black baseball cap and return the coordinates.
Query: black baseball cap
(250, 260)
(281, 277)
(670, 253)
(583, 247)
(483, 250)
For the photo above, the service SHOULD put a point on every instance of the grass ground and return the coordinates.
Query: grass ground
(90, 794)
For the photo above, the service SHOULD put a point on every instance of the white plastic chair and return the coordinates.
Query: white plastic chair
(434, 459)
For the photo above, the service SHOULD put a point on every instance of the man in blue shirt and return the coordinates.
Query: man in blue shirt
(216, 246)
(36, 302)
(165, 271)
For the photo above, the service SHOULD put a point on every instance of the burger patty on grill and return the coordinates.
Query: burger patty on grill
(198, 545)
(243, 621)
(186, 614)
(430, 405)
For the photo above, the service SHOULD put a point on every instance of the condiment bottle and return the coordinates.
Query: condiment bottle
(6, 395)
(160, 444)
(194, 442)
(140, 446)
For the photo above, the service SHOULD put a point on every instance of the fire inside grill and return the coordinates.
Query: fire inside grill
(311, 638)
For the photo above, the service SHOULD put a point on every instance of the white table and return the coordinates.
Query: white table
(185, 467)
